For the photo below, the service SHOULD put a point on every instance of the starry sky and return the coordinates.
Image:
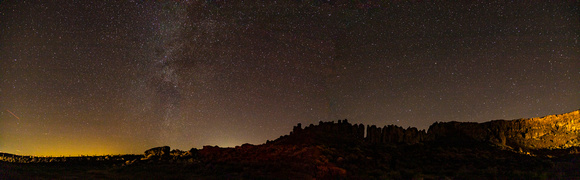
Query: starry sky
(92, 77)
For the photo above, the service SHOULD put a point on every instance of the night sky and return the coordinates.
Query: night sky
(88, 78)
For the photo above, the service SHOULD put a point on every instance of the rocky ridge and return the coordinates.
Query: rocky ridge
(550, 132)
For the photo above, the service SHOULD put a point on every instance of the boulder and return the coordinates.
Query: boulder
(158, 152)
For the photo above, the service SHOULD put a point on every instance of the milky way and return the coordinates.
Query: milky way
(98, 77)
(168, 25)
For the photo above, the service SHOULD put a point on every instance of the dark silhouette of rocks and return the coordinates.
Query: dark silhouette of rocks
(324, 132)
(550, 132)
(176, 153)
(158, 153)
(394, 135)
(344, 130)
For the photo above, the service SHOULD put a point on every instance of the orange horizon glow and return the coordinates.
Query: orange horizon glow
(56, 152)
(67, 146)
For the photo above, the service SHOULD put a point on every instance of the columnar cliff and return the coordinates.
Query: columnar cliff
(344, 131)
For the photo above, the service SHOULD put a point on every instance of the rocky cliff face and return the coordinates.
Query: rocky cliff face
(394, 134)
(554, 132)
(549, 132)
(343, 131)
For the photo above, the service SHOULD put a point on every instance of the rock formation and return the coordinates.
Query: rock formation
(549, 132)
(394, 134)
(158, 153)
(343, 129)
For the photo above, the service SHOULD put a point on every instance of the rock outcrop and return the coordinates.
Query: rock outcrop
(394, 134)
(325, 132)
(344, 131)
(549, 132)
(158, 153)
